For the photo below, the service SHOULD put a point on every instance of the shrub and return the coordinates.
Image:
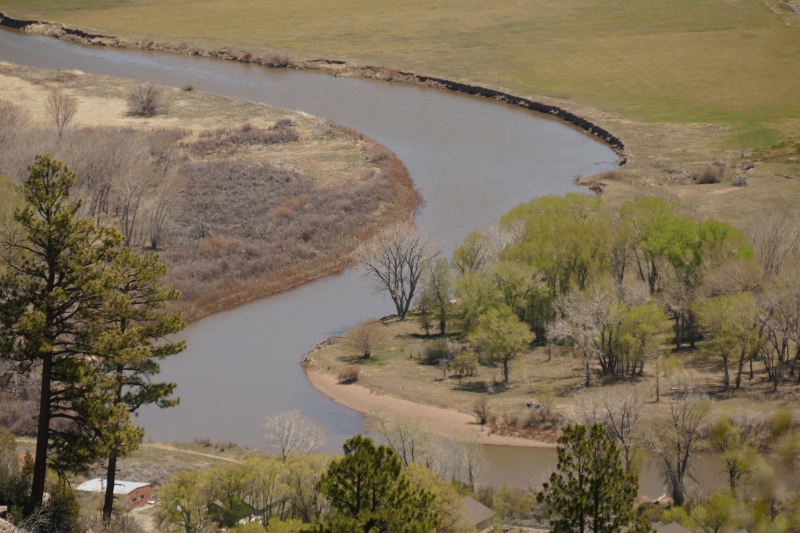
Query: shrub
(188, 87)
(464, 364)
(481, 410)
(741, 181)
(146, 100)
(203, 441)
(349, 374)
(366, 338)
(436, 352)
(245, 135)
(710, 174)
(245, 56)
(274, 59)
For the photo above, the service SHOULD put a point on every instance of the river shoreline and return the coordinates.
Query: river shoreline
(329, 66)
(448, 422)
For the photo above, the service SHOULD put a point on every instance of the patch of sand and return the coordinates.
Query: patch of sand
(92, 110)
(449, 423)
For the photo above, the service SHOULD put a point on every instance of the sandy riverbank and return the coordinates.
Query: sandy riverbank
(448, 422)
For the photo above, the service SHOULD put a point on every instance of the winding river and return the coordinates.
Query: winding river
(473, 160)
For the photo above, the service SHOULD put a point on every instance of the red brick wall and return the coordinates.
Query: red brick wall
(139, 497)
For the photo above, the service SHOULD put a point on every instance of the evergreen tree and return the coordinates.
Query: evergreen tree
(54, 289)
(370, 494)
(129, 345)
(590, 491)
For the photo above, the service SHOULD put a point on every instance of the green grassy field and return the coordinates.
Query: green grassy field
(731, 61)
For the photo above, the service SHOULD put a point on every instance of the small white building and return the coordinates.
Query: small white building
(137, 494)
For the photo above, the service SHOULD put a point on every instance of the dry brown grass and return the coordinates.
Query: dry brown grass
(267, 199)
(401, 370)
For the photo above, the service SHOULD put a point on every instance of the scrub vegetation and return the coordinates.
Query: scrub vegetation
(242, 200)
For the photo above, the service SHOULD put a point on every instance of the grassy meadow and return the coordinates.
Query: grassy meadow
(683, 61)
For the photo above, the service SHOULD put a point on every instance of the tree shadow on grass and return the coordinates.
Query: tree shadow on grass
(360, 360)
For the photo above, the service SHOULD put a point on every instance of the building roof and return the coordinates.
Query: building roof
(672, 527)
(120, 487)
(477, 511)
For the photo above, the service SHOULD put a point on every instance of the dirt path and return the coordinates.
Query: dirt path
(158, 446)
(161, 446)
(449, 423)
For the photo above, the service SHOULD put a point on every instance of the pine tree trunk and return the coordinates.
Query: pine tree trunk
(111, 478)
(42, 435)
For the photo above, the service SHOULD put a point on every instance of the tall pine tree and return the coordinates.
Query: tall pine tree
(129, 347)
(55, 289)
(590, 491)
(370, 494)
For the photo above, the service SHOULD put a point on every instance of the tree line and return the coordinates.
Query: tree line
(610, 284)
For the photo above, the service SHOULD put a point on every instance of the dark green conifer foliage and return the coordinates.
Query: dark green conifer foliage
(129, 346)
(369, 493)
(54, 289)
(590, 490)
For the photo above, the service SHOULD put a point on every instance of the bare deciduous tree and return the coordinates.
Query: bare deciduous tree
(413, 439)
(394, 262)
(290, 431)
(676, 442)
(146, 100)
(12, 118)
(775, 237)
(472, 457)
(131, 188)
(366, 337)
(61, 108)
(159, 210)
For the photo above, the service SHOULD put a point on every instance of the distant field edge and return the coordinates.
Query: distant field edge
(331, 66)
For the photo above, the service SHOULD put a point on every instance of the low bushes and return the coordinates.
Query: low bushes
(349, 374)
(710, 174)
(221, 139)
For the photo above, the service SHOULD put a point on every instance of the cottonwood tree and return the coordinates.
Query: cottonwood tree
(289, 431)
(737, 436)
(502, 336)
(185, 502)
(447, 503)
(50, 295)
(262, 484)
(475, 252)
(438, 285)
(366, 337)
(470, 457)
(676, 441)
(590, 490)
(414, 440)
(620, 412)
(775, 238)
(394, 262)
(369, 492)
(731, 323)
(61, 108)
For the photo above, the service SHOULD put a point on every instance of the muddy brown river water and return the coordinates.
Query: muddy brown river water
(473, 160)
